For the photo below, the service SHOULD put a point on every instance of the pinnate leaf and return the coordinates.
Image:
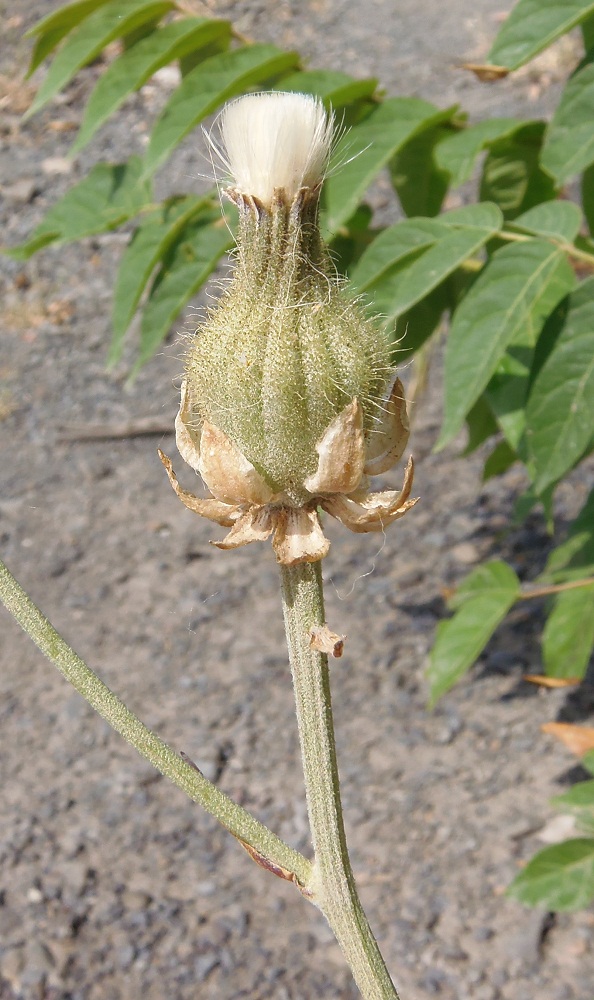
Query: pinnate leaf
(138, 63)
(532, 26)
(52, 29)
(514, 294)
(206, 87)
(148, 245)
(110, 21)
(481, 603)
(109, 195)
(560, 877)
(183, 271)
(560, 411)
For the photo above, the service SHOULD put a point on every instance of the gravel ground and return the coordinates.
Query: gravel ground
(114, 887)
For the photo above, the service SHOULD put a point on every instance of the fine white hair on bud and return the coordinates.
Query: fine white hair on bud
(276, 142)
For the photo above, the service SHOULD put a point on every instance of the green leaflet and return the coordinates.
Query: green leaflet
(532, 26)
(568, 635)
(208, 86)
(458, 153)
(137, 64)
(499, 461)
(394, 245)
(109, 195)
(335, 89)
(513, 295)
(560, 411)
(406, 262)
(369, 146)
(559, 878)
(569, 141)
(512, 175)
(183, 271)
(559, 220)
(53, 28)
(147, 247)
(481, 603)
(420, 183)
(110, 21)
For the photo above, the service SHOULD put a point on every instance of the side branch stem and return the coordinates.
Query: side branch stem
(257, 838)
(332, 884)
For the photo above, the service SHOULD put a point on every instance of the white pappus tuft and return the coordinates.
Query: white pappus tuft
(276, 141)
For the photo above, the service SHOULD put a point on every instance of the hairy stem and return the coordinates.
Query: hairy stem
(332, 884)
(263, 845)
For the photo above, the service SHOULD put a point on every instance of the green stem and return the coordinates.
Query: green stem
(266, 848)
(555, 588)
(332, 884)
(568, 248)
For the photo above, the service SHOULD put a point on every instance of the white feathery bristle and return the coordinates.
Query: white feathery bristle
(276, 141)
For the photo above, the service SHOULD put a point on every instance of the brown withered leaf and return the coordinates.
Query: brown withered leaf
(552, 682)
(578, 739)
(325, 641)
(485, 72)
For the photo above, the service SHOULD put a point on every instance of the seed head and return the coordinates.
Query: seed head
(276, 142)
(288, 400)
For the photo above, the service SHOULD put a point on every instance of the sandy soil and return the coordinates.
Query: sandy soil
(113, 886)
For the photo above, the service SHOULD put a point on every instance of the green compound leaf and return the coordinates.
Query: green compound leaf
(369, 147)
(512, 175)
(458, 153)
(532, 26)
(569, 141)
(481, 602)
(183, 271)
(560, 411)
(53, 28)
(568, 635)
(574, 558)
(148, 245)
(559, 220)
(335, 89)
(208, 86)
(109, 195)
(135, 66)
(514, 294)
(407, 278)
(111, 21)
(559, 877)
